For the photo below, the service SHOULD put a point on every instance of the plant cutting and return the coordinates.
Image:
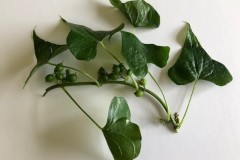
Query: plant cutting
(123, 137)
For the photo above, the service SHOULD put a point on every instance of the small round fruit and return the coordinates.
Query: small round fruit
(59, 67)
(72, 77)
(105, 77)
(113, 76)
(59, 76)
(138, 93)
(129, 72)
(101, 71)
(116, 69)
(49, 78)
(65, 80)
(143, 81)
(68, 72)
(121, 66)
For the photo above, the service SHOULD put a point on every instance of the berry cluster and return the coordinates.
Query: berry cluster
(118, 71)
(142, 84)
(60, 76)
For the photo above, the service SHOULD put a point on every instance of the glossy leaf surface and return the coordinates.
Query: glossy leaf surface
(138, 55)
(123, 137)
(139, 12)
(194, 63)
(44, 51)
(82, 41)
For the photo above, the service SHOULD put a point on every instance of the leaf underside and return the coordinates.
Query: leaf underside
(138, 55)
(123, 137)
(44, 51)
(194, 63)
(138, 12)
(82, 41)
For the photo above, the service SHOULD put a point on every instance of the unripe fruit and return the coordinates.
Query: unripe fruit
(59, 76)
(59, 67)
(101, 71)
(138, 93)
(105, 77)
(72, 78)
(113, 76)
(49, 78)
(116, 69)
(143, 82)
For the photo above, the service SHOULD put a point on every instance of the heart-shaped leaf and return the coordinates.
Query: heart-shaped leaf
(194, 63)
(138, 55)
(123, 137)
(139, 12)
(44, 51)
(82, 41)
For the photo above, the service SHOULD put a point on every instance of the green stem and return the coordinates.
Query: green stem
(193, 89)
(114, 82)
(109, 52)
(84, 73)
(167, 108)
(81, 108)
(134, 30)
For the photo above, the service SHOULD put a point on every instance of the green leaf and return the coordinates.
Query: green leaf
(118, 109)
(82, 41)
(194, 63)
(44, 51)
(138, 55)
(123, 137)
(139, 12)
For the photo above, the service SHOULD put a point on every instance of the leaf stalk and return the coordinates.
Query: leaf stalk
(68, 94)
(190, 99)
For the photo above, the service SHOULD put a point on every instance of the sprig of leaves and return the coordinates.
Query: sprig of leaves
(123, 136)
(195, 64)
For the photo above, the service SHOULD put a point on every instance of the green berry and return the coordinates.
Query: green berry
(105, 77)
(59, 67)
(143, 82)
(72, 78)
(138, 93)
(65, 80)
(121, 66)
(116, 69)
(49, 78)
(113, 76)
(59, 76)
(101, 71)
(129, 72)
(68, 72)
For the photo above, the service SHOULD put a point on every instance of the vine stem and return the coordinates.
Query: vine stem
(190, 99)
(164, 98)
(68, 94)
(113, 82)
(110, 53)
(84, 73)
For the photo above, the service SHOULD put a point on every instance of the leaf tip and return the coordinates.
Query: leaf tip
(62, 19)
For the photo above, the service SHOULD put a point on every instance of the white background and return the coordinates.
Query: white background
(53, 128)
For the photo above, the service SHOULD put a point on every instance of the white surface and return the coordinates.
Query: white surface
(52, 128)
